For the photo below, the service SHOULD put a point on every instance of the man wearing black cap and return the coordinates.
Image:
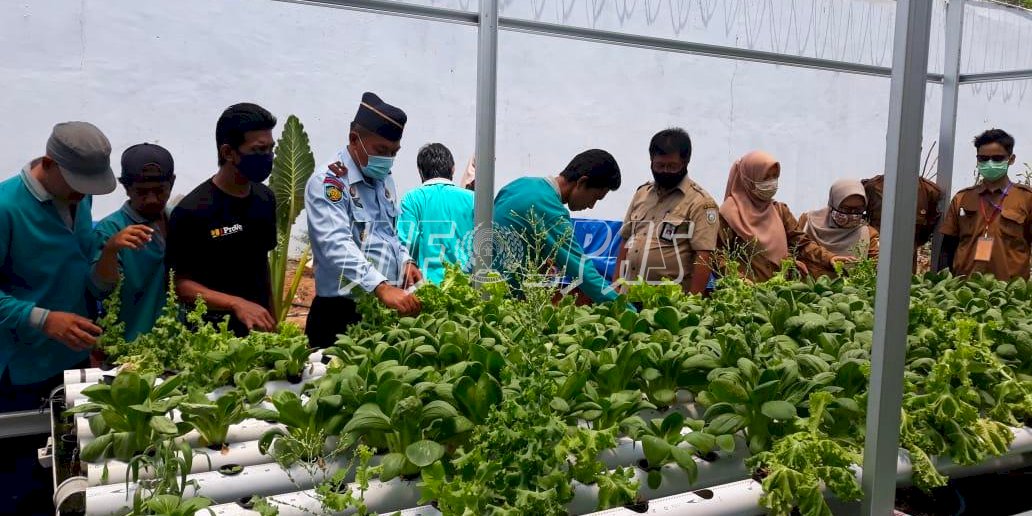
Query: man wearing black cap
(131, 241)
(352, 209)
(220, 234)
(45, 244)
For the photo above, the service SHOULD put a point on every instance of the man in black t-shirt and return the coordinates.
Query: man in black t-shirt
(220, 234)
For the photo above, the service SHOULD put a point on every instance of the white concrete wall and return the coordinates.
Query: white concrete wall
(163, 70)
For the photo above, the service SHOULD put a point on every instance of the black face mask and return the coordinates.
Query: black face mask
(669, 179)
(256, 167)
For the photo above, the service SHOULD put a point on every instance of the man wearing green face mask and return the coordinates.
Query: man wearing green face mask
(988, 227)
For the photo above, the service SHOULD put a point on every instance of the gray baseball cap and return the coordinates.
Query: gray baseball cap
(84, 155)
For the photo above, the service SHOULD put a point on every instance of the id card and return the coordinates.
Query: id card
(984, 249)
(668, 231)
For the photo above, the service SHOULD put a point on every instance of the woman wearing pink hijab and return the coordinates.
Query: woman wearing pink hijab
(757, 228)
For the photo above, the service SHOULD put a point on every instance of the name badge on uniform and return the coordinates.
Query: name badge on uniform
(984, 249)
(668, 231)
(355, 198)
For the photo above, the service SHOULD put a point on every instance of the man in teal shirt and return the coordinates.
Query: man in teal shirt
(45, 244)
(131, 241)
(532, 206)
(437, 217)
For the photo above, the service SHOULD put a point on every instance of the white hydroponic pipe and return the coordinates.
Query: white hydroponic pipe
(204, 459)
(261, 480)
(727, 468)
(236, 509)
(382, 497)
(92, 374)
(85, 433)
(87, 375)
(733, 497)
(628, 451)
(73, 391)
(1013, 459)
(743, 497)
(246, 430)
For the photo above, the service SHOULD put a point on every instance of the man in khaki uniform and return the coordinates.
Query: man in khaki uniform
(988, 227)
(928, 196)
(671, 225)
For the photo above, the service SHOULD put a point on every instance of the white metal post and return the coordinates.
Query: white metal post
(948, 120)
(487, 87)
(892, 299)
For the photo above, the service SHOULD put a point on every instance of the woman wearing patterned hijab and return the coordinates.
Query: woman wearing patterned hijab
(758, 229)
(840, 226)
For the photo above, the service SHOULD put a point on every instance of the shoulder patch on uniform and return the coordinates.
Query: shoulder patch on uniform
(333, 188)
(711, 215)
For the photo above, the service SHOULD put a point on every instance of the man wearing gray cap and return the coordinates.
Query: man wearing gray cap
(45, 244)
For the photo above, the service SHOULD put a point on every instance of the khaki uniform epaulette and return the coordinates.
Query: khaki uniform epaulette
(697, 188)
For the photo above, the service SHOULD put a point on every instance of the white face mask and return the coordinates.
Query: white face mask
(765, 190)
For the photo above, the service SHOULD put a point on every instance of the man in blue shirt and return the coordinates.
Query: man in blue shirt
(437, 217)
(352, 215)
(131, 241)
(45, 244)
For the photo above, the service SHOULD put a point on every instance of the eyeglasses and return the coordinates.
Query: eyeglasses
(860, 213)
(997, 157)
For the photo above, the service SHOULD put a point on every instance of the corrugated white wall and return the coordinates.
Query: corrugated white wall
(162, 71)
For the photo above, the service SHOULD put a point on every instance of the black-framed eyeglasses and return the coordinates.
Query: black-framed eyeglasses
(996, 157)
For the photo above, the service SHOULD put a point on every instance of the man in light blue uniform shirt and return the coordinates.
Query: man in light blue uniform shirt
(352, 210)
(436, 218)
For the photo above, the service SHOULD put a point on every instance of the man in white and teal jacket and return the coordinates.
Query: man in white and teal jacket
(45, 247)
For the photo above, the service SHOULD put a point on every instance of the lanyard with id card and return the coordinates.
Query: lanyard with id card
(984, 245)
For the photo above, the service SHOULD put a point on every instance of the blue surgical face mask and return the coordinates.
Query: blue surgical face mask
(378, 167)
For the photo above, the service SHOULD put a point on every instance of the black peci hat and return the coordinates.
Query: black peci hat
(380, 117)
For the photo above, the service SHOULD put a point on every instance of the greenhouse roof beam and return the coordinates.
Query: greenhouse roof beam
(1011, 75)
(397, 8)
(608, 37)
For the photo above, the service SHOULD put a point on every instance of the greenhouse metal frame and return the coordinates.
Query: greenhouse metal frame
(909, 78)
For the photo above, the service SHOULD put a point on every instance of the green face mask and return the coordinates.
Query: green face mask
(993, 170)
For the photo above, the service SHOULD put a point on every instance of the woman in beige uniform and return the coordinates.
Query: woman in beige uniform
(757, 228)
(840, 227)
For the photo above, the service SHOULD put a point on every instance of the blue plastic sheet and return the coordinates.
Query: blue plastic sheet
(601, 242)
